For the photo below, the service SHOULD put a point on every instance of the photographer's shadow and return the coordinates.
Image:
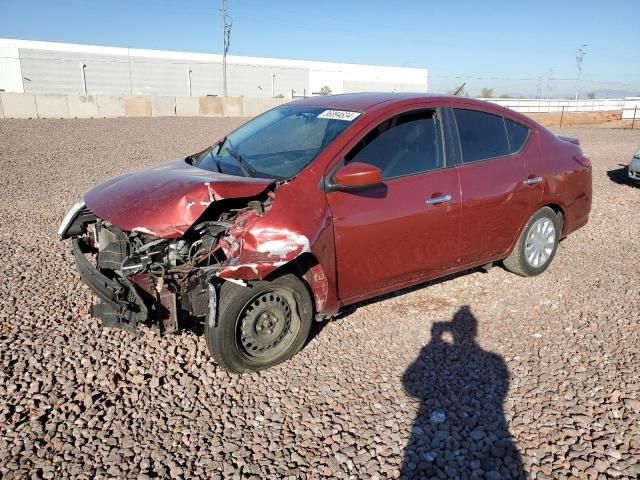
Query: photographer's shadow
(460, 431)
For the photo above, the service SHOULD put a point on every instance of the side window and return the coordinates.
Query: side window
(404, 145)
(517, 134)
(482, 135)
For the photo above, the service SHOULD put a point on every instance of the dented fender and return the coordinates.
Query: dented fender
(257, 245)
(255, 253)
(266, 250)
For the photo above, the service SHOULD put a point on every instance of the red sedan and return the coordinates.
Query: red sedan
(320, 203)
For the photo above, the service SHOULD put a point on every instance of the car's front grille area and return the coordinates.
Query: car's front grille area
(634, 174)
(113, 248)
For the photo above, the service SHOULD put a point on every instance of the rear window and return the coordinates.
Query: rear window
(482, 135)
(517, 135)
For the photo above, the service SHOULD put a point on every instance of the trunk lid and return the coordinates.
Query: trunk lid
(574, 140)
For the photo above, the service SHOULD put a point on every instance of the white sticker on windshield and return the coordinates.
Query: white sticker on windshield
(339, 115)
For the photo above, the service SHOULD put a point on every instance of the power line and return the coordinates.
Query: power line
(471, 77)
(568, 79)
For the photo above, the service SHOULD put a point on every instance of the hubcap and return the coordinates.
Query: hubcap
(264, 325)
(540, 242)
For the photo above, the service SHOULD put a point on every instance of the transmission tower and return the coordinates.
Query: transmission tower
(226, 34)
(579, 56)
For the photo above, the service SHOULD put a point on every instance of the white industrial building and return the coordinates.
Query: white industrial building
(64, 68)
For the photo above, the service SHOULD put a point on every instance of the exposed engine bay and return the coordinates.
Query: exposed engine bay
(140, 278)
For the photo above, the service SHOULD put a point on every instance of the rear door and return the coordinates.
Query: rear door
(498, 190)
(406, 228)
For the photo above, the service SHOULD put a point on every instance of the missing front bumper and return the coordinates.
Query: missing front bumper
(120, 305)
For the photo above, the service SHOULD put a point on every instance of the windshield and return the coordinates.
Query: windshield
(277, 144)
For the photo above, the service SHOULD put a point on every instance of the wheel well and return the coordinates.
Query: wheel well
(559, 213)
(299, 266)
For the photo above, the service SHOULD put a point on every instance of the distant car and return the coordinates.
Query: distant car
(634, 167)
(321, 203)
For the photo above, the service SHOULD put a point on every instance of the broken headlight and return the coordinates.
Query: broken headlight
(68, 219)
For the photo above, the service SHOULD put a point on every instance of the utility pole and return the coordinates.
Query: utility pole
(84, 79)
(579, 56)
(226, 33)
(550, 74)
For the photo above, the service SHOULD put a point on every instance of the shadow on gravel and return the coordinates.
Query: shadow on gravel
(620, 176)
(460, 431)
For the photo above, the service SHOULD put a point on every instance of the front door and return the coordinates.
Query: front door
(405, 229)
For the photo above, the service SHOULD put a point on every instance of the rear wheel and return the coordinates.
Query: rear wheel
(537, 244)
(260, 325)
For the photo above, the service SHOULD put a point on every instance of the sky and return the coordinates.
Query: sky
(513, 47)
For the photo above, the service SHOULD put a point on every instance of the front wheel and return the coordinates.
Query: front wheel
(260, 325)
(537, 244)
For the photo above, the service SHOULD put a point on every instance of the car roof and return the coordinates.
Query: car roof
(360, 102)
(364, 102)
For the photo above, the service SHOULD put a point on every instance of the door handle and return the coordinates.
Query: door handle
(440, 199)
(532, 180)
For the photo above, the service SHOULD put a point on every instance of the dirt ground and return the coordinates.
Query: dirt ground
(479, 375)
(583, 119)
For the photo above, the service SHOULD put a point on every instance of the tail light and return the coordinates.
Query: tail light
(582, 160)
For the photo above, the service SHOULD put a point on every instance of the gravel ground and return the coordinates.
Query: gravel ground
(483, 375)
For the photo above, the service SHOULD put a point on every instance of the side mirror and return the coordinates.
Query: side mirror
(357, 175)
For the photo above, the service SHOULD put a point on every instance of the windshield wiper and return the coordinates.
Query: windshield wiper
(198, 158)
(246, 167)
(215, 159)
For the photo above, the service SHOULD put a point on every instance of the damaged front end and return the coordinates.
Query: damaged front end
(141, 278)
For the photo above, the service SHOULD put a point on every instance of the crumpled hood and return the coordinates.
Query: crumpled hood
(165, 201)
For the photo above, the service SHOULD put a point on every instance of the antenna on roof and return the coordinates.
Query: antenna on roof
(460, 88)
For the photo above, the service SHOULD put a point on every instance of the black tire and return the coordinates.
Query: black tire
(260, 325)
(517, 261)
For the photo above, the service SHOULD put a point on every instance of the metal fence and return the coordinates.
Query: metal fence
(631, 109)
(533, 105)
